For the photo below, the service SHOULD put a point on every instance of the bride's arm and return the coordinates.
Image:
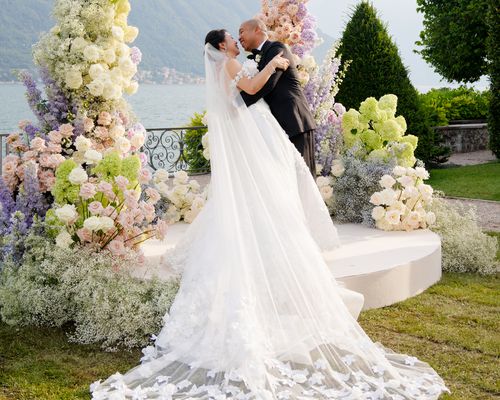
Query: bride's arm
(253, 85)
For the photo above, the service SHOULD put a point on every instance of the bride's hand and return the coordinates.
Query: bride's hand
(279, 62)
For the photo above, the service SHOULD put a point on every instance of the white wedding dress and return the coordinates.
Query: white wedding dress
(258, 314)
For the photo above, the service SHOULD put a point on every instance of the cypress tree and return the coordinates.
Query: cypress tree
(493, 48)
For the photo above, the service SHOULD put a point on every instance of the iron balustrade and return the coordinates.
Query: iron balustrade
(164, 147)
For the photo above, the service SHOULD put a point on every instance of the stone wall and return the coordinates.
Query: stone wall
(465, 137)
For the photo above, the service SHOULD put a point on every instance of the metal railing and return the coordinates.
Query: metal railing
(164, 147)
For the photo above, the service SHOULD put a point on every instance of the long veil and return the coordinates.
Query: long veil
(258, 314)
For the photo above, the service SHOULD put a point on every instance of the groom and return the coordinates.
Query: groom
(282, 92)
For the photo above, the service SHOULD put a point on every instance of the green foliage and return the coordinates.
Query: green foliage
(445, 104)
(193, 150)
(454, 37)
(494, 72)
(377, 69)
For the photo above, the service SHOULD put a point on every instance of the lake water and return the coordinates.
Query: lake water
(157, 106)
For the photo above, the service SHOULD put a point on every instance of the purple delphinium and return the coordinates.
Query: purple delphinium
(31, 201)
(14, 242)
(34, 96)
(31, 130)
(7, 207)
(57, 105)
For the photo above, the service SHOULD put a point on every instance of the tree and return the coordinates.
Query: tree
(493, 45)
(454, 38)
(376, 70)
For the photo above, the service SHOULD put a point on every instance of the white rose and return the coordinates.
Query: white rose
(123, 145)
(338, 168)
(204, 120)
(82, 143)
(78, 176)
(198, 203)
(393, 217)
(127, 67)
(73, 79)
(387, 181)
(137, 140)
(92, 53)
(406, 180)
(117, 132)
(376, 199)
(410, 192)
(430, 218)
(109, 56)
(206, 154)
(326, 192)
(96, 87)
(162, 187)
(106, 223)
(131, 34)
(413, 219)
(161, 175)
(111, 91)
(399, 171)
(425, 190)
(92, 223)
(132, 88)
(410, 171)
(319, 168)
(67, 213)
(194, 185)
(205, 140)
(96, 71)
(118, 33)
(323, 181)
(378, 213)
(388, 196)
(181, 190)
(421, 173)
(123, 50)
(308, 62)
(64, 240)
(181, 177)
(92, 156)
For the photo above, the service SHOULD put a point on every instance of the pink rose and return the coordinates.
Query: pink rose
(45, 160)
(148, 210)
(153, 195)
(66, 130)
(161, 229)
(88, 124)
(47, 180)
(38, 144)
(116, 247)
(56, 160)
(144, 176)
(131, 197)
(122, 182)
(84, 234)
(9, 168)
(54, 148)
(144, 159)
(12, 158)
(20, 171)
(138, 215)
(29, 155)
(126, 219)
(87, 191)
(104, 118)
(107, 189)
(101, 132)
(96, 208)
(109, 211)
(55, 137)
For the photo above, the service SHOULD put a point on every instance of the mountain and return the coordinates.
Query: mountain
(171, 35)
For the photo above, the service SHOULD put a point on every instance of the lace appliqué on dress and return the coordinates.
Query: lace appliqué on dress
(248, 70)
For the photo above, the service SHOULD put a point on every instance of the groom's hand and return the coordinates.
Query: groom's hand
(276, 49)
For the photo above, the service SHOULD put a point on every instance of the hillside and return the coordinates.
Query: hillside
(171, 32)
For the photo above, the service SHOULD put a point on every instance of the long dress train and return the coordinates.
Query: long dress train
(258, 314)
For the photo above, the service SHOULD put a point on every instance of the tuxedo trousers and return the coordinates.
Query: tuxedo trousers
(305, 144)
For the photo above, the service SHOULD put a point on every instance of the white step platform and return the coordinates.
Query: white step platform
(386, 267)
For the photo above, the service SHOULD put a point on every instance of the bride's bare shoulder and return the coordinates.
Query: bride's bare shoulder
(233, 66)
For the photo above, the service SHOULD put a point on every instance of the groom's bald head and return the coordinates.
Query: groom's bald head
(252, 33)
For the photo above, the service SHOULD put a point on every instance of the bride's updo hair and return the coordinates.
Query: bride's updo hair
(216, 37)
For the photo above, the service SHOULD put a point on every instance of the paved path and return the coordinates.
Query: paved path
(488, 212)
(476, 157)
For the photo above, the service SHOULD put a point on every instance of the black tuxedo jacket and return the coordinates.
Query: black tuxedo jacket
(283, 93)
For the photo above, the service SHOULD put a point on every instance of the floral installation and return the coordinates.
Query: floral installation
(86, 149)
(182, 200)
(404, 203)
(375, 133)
(289, 22)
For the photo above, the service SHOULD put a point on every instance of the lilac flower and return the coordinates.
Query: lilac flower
(7, 207)
(136, 55)
(34, 96)
(15, 245)
(58, 105)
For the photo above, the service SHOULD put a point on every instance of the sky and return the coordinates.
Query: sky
(404, 25)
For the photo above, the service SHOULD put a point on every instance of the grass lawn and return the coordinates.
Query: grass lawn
(454, 326)
(471, 181)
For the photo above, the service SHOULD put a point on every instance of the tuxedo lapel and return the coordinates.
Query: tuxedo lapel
(261, 64)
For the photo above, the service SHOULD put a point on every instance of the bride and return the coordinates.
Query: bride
(258, 314)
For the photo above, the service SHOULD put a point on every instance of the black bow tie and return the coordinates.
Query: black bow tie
(254, 54)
